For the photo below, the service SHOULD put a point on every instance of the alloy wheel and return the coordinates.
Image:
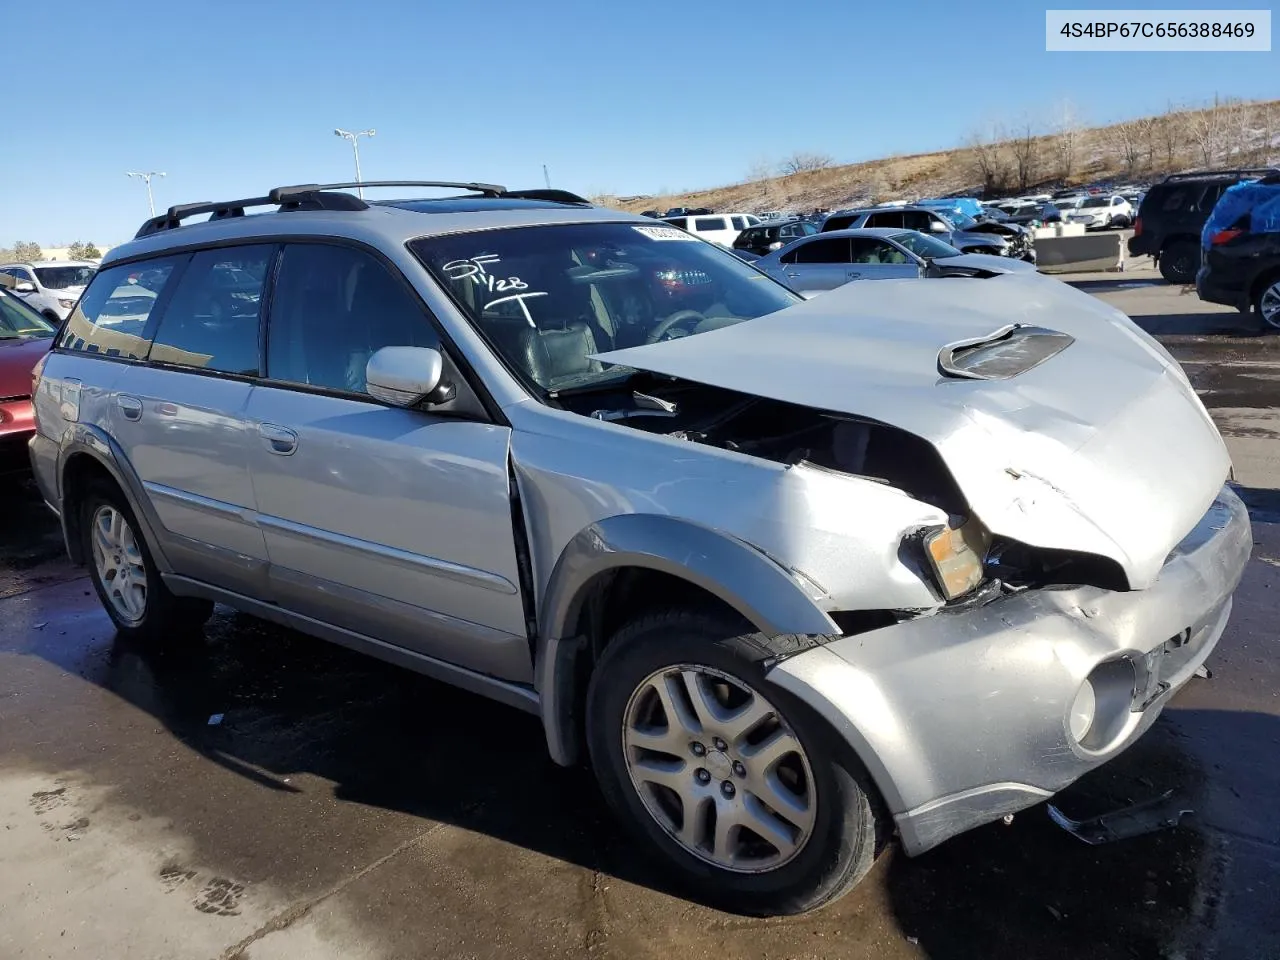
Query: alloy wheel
(1269, 304)
(118, 561)
(719, 769)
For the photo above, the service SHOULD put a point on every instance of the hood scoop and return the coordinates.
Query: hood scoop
(1009, 351)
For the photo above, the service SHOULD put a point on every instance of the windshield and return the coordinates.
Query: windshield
(59, 278)
(549, 297)
(19, 320)
(923, 245)
(962, 220)
(1095, 202)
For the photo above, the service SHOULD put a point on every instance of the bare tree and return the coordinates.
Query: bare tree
(1025, 147)
(1241, 139)
(806, 162)
(1125, 139)
(989, 159)
(1065, 144)
(1147, 131)
(1171, 132)
(760, 171)
(1208, 127)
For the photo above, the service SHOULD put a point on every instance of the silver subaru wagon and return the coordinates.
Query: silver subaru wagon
(793, 575)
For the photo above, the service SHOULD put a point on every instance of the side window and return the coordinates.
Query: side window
(739, 223)
(919, 220)
(824, 251)
(212, 320)
(710, 223)
(1174, 201)
(681, 222)
(333, 308)
(808, 229)
(111, 317)
(886, 219)
(867, 250)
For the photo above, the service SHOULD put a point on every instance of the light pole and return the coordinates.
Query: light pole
(146, 178)
(355, 148)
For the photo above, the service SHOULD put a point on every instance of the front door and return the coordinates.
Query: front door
(393, 523)
(818, 264)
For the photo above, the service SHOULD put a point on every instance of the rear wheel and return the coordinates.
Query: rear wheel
(125, 576)
(1179, 260)
(735, 784)
(1267, 303)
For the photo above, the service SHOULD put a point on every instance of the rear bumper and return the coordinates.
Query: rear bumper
(1211, 289)
(962, 717)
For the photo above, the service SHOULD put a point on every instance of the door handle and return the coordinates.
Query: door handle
(278, 439)
(131, 407)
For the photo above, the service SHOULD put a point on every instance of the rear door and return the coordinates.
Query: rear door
(393, 523)
(181, 416)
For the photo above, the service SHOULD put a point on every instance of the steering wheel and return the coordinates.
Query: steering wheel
(664, 326)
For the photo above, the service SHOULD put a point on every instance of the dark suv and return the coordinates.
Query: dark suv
(1240, 264)
(771, 235)
(1173, 213)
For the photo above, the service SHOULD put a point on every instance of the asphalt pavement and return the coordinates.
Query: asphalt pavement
(259, 794)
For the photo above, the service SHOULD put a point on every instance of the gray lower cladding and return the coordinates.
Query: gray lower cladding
(961, 718)
(513, 694)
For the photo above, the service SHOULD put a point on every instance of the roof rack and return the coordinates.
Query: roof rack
(328, 196)
(279, 194)
(1226, 172)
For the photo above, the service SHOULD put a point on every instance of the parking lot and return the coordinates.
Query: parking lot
(266, 795)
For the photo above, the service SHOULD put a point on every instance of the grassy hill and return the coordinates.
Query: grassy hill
(1004, 162)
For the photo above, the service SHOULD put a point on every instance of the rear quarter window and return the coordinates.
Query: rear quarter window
(710, 223)
(112, 317)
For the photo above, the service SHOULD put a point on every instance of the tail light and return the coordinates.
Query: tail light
(1224, 236)
(1137, 226)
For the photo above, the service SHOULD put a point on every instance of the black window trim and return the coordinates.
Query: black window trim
(453, 357)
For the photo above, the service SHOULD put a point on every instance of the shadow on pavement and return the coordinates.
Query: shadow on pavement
(1199, 324)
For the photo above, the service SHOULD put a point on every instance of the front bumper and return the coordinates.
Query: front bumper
(962, 717)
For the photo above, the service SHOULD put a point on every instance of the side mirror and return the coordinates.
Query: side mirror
(24, 286)
(937, 226)
(406, 376)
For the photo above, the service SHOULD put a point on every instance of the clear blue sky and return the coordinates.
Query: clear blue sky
(231, 97)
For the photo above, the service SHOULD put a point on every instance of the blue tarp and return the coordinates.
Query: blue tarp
(965, 205)
(1259, 202)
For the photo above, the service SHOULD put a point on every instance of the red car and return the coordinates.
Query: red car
(25, 337)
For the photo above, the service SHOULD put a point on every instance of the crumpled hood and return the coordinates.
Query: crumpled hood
(1102, 448)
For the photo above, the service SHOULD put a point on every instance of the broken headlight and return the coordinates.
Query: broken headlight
(956, 556)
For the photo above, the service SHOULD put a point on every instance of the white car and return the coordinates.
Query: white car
(1101, 212)
(721, 228)
(51, 287)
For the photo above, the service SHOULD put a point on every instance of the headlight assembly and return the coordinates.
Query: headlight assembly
(956, 555)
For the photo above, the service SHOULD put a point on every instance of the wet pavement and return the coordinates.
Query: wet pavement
(258, 794)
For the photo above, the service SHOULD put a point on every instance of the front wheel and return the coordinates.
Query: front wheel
(736, 784)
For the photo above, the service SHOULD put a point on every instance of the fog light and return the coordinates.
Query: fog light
(1083, 710)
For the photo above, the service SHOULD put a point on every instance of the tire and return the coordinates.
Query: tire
(840, 830)
(1179, 260)
(1266, 303)
(147, 615)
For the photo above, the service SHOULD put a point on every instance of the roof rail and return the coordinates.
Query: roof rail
(1225, 172)
(328, 196)
(173, 217)
(550, 195)
(280, 194)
